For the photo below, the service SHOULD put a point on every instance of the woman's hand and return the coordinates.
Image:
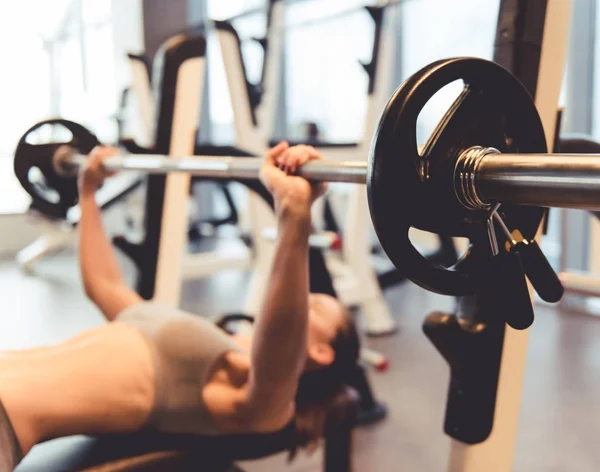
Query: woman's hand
(93, 174)
(291, 193)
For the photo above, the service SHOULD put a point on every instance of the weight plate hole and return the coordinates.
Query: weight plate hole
(49, 133)
(442, 251)
(434, 110)
(38, 181)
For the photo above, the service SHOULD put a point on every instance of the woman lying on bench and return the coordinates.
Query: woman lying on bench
(157, 368)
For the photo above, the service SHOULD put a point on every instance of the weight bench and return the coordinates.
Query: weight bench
(161, 452)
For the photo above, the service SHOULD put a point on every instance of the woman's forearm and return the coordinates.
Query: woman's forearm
(96, 254)
(280, 337)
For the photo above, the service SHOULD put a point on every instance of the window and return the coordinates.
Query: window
(220, 10)
(64, 58)
(86, 56)
(326, 39)
(252, 24)
(25, 85)
(62, 61)
(324, 81)
(434, 29)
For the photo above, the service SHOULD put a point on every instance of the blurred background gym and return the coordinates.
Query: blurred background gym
(86, 61)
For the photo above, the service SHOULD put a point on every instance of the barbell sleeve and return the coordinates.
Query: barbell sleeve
(546, 180)
(484, 176)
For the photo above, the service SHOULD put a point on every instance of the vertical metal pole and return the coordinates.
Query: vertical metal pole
(271, 113)
(197, 13)
(82, 46)
(577, 118)
(52, 47)
(398, 72)
(203, 195)
(496, 454)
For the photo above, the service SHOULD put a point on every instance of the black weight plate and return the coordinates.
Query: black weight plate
(407, 189)
(55, 194)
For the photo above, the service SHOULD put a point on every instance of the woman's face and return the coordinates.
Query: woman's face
(326, 316)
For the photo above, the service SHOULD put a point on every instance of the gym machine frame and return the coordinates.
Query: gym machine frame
(352, 283)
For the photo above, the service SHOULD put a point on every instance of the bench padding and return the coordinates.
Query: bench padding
(148, 451)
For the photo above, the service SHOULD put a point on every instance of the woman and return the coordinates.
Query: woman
(155, 367)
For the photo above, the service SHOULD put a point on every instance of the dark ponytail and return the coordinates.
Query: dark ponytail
(317, 388)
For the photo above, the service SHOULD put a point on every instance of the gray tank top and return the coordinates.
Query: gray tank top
(185, 349)
(10, 451)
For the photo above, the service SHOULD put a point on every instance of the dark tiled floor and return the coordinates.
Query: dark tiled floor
(560, 420)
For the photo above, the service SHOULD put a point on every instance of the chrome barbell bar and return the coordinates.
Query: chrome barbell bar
(482, 176)
(225, 167)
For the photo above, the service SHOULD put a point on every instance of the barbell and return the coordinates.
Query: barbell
(67, 162)
(559, 180)
(488, 149)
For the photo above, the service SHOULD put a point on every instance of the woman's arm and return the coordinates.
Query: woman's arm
(279, 344)
(280, 337)
(100, 271)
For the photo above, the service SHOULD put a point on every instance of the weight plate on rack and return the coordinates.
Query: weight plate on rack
(52, 194)
(412, 189)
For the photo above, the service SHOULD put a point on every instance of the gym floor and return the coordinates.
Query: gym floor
(560, 415)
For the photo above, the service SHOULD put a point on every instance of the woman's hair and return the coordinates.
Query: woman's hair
(317, 388)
